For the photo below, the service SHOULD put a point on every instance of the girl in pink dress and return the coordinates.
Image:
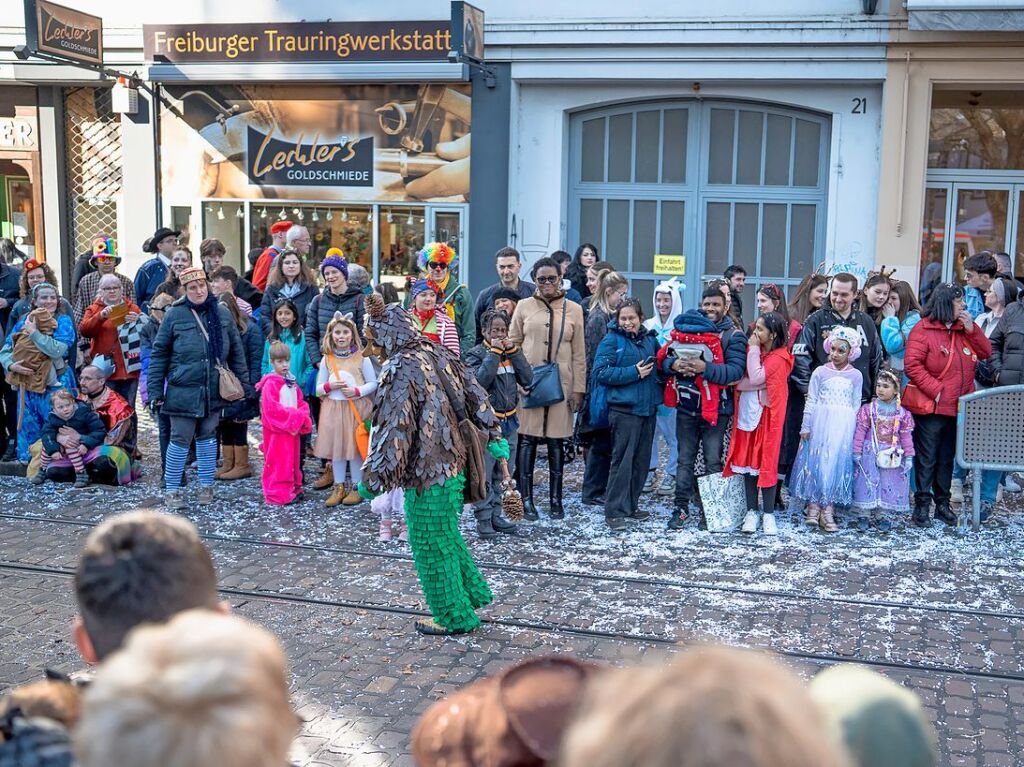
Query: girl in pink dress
(285, 417)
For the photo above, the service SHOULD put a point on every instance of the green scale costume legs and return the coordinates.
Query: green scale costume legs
(451, 583)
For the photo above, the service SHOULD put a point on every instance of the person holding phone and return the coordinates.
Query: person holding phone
(625, 364)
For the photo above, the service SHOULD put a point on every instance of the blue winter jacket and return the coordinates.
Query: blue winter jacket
(616, 369)
(894, 337)
(147, 280)
(725, 373)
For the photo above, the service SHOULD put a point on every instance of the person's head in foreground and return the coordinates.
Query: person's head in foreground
(710, 707)
(204, 690)
(135, 568)
(881, 723)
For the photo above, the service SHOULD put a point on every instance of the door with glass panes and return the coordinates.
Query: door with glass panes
(717, 182)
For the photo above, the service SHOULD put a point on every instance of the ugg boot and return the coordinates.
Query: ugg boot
(827, 521)
(484, 526)
(352, 498)
(812, 514)
(556, 463)
(242, 468)
(227, 463)
(337, 495)
(326, 479)
(385, 530)
(525, 459)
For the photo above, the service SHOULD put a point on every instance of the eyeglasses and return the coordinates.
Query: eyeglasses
(547, 280)
(436, 266)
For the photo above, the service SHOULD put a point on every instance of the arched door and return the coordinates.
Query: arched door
(717, 182)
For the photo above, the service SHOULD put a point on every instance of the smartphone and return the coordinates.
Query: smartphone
(648, 361)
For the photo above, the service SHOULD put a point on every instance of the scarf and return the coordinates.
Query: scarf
(208, 311)
(710, 393)
(446, 300)
(290, 291)
(428, 324)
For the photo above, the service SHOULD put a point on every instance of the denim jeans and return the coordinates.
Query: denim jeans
(692, 431)
(665, 428)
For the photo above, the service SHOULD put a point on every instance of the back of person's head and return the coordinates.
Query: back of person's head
(140, 567)
(358, 277)
(226, 273)
(710, 707)
(388, 292)
(881, 723)
(204, 690)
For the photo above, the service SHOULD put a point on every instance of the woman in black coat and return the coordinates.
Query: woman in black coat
(196, 337)
(585, 257)
(234, 421)
(291, 278)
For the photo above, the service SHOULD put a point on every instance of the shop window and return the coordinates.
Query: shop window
(977, 129)
(225, 221)
(759, 201)
(349, 227)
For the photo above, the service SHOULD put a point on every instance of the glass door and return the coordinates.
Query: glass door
(446, 225)
(933, 238)
(1017, 252)
(980, 219)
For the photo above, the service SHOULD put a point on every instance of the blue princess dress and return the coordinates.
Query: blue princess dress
(823, 471)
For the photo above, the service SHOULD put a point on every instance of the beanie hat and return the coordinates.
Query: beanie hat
(421, 286)
(337, 260)
(438, 253)
(506, 293)
(191, 274)
(279, 227)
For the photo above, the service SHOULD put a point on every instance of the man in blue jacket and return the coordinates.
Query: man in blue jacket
(153, 272)
(701, 382)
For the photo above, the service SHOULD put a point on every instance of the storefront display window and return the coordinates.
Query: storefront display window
(977, 129)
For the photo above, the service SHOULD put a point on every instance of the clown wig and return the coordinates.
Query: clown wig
(438, 253)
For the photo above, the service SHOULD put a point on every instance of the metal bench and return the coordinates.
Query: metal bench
(990, 435)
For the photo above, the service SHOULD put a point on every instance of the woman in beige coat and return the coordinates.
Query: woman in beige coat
(536, 324)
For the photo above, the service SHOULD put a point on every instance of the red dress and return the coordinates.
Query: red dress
(757, 451)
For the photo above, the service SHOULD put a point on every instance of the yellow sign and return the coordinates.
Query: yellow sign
(669, 264)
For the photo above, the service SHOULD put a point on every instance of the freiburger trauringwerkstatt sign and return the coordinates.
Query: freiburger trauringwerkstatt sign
(298, 41)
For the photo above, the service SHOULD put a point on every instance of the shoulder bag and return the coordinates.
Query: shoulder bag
(887, 457)
(228, 385)
(475, 442)
(915, 400)
(546, 389)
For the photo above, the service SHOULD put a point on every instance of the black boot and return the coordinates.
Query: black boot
(484, 528)
(921, 518)
(780, 505)
(943, 512)
(502, 525)
(526, 456)
(556, 462)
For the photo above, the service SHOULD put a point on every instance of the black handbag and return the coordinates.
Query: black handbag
(546, 389)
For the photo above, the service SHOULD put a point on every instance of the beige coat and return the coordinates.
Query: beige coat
(535, 328)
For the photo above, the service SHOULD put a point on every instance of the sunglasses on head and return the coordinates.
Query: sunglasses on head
(436, 265)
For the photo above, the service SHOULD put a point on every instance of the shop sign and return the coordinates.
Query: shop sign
(298, 41)
(275, 162)
(468, 30)
(64, 32)
(18, 133)
(674, 265)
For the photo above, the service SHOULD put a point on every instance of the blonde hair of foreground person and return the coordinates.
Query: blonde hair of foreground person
(203, 690)
(710, 707)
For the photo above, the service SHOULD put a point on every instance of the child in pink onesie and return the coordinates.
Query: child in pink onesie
(285, 416)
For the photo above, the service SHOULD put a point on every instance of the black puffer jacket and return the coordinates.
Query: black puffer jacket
(1007, 360)
(181, 360)
(321, 311)
(302, 300)
(248, 408)
(501, 373)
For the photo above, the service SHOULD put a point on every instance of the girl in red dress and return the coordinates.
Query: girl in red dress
(760, 415)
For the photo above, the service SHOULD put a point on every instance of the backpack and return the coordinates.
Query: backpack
(599, 392)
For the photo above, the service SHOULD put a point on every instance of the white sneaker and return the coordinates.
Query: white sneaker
(768, 525)
(667, 486)
(649, 483)
(750, 522)
(1011, 484)
(956, 491)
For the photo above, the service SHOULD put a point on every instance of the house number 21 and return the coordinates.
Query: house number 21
(860, 106)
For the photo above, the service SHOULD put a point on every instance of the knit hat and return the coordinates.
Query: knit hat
(337, 260)
(280, 227)
(421, 286)
(191, 274)
(843, 333)
(438, 253)
(881, 723)
(506, 293)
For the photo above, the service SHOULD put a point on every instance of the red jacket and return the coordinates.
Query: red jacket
(928, 348)
(104, 338)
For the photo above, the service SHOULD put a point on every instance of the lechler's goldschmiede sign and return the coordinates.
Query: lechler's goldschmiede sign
(298, 41)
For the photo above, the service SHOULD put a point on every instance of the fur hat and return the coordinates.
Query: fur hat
(843, 333)
(191, 274)
(337, 260)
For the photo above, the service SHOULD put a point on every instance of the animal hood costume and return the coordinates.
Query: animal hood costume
(415, 444)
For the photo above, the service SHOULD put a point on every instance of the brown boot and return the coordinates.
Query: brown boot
(353, 498)
(338, 495)
(812, 514)
(227, 463)
(827, 522)
(242, 468)
(326, 479)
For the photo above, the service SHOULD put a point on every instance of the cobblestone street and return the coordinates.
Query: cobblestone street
(940, 614)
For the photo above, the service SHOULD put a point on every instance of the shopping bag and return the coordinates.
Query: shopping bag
(725, 503)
